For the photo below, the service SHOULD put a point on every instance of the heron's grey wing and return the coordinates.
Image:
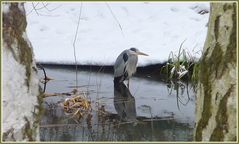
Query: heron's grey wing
(132, 64)
(120, 64)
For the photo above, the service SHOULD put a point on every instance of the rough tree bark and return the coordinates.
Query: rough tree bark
(216, 107)
(21, 97)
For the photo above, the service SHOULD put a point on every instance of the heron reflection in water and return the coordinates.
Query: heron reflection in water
(124, 103)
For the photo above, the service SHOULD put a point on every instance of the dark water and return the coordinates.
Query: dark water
(148, 111)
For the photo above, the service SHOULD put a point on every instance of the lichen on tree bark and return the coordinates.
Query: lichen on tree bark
(22, 101)
(216, 94)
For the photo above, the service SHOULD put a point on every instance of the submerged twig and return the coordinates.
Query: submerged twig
(59, 125)
(46, 78)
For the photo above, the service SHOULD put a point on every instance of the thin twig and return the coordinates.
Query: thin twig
(45, 6)
(59, 125)
(50, 10)
(89, 83)
(34, 7)
(78, 23)
(111, 11)
(41, 67)
(46, 79)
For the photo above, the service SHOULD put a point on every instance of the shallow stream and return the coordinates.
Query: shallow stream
(148, 111)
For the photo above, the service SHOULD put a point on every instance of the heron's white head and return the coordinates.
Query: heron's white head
(135, 51)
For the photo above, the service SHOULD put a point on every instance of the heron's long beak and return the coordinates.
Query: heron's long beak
(141, 53)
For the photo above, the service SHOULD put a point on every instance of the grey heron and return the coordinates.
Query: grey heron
(125, 65)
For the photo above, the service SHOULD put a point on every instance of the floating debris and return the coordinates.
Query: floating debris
(77, 105)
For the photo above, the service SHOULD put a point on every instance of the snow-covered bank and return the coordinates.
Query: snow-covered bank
(152, 69)
(156, 28)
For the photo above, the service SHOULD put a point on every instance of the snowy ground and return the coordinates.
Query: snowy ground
(156, 28)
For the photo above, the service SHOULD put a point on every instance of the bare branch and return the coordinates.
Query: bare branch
(50, 10)
(44, 6)
(115, 17)
(34, 7)
(74, 43)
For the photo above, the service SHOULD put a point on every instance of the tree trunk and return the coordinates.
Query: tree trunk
(21, 97)
(216, 107)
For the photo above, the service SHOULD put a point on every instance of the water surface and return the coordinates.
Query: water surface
(148, 111)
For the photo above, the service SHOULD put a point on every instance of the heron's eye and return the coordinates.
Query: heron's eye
(133, 49)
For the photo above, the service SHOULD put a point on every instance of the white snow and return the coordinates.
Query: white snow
(199, 7)
(5, 7)
(156, 28)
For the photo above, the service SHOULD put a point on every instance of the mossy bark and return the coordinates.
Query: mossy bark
(216, 95)
(14, 24)
(15, 41)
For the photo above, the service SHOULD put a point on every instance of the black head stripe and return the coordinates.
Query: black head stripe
(133, 49)
(125, 57)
